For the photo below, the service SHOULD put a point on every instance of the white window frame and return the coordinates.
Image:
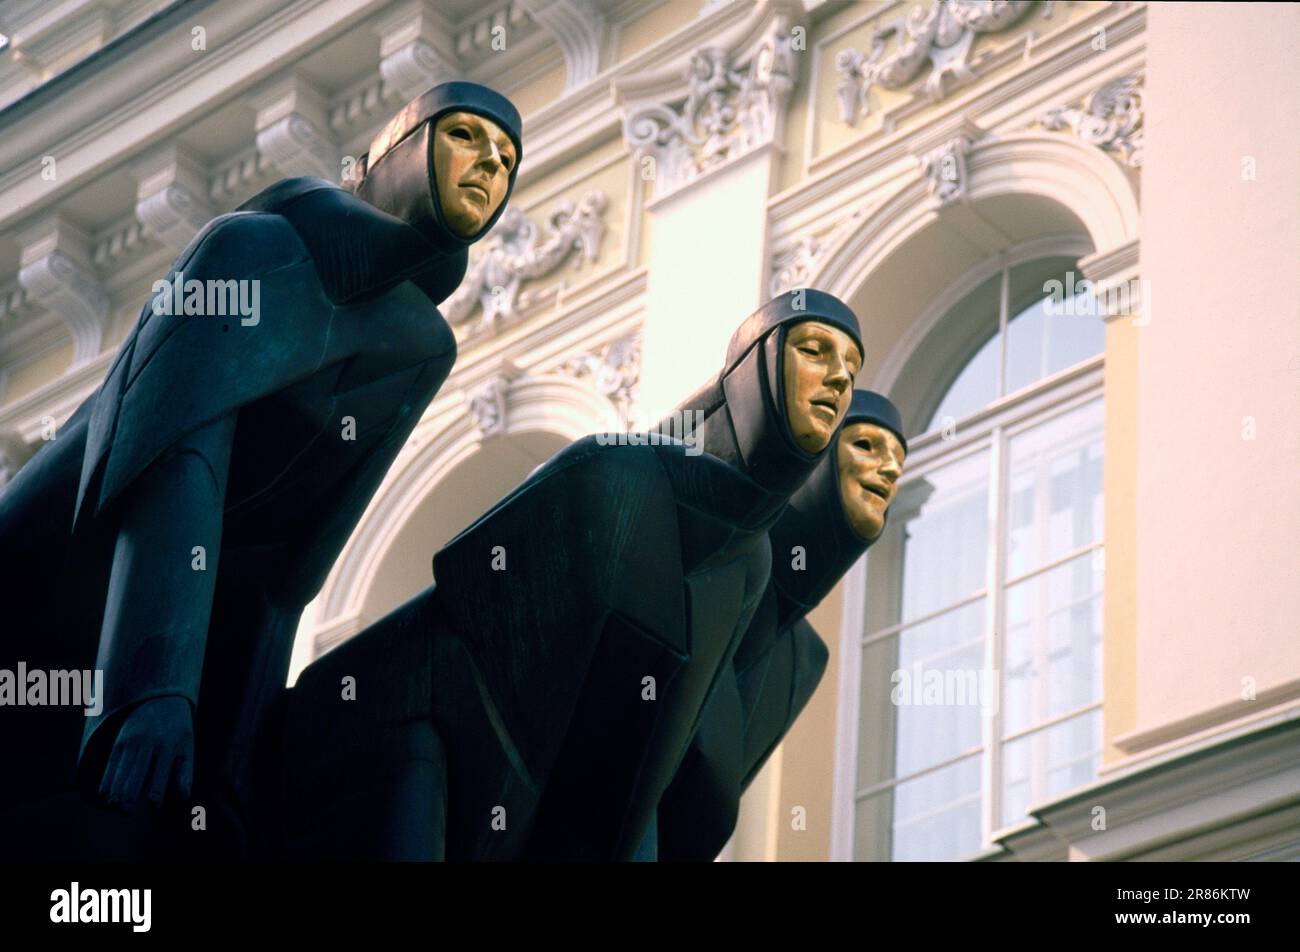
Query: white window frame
(992, 426)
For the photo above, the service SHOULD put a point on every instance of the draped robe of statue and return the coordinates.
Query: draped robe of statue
(537, 701)
(195, 502)
(779, 663)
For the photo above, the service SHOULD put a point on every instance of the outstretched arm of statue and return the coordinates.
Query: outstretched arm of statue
(155, 629)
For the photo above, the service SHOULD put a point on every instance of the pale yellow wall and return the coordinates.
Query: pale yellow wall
(644, 236)
(808, 751)
(537, 91)
(706, 274)
(829, 132)
(529, 192)
(35, 374)
(1219, 515)
(652, 26)
(796, 121)
(1119, 626)
(612, 181)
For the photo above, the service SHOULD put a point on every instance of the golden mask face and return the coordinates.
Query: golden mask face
(870, 461)
(472, 159)
(820, 363)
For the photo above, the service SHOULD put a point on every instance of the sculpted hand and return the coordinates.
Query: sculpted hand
(155, 745)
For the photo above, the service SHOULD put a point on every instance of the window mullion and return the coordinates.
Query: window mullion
(1004, 303)
(991, 725)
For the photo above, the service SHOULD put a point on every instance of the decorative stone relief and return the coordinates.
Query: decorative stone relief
(517, 250)
(730, 110)
(1110, 119)
(487, 406)
(614, 370)
(944, 169)
(793, 265)
(940, 35)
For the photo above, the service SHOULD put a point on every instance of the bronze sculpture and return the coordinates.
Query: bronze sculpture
(195, 502)
(831, 520)
(539, 709)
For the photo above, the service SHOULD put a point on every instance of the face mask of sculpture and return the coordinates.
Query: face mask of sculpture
(818, 366)
(841, 509)
(472, 161)
(768, 412)
(446, 165)
(870, 460)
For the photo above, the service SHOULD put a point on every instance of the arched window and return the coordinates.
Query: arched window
(980, 657)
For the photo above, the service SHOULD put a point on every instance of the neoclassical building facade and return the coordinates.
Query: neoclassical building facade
(1069, 230)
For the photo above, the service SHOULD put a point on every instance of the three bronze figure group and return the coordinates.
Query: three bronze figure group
(608, 656)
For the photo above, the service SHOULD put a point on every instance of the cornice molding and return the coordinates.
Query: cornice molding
(41, 42)
(167, 86)
(1169, 803)
(1140, 741)
(474, 37)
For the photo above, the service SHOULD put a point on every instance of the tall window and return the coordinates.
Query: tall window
(980, 679)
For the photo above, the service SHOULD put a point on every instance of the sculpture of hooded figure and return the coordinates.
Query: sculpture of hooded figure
(830, 522)
(561, 662)
(196, 501)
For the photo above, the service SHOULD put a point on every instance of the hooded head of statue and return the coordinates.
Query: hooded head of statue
(774, 407)
(446, 165)
(842, 507)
